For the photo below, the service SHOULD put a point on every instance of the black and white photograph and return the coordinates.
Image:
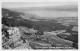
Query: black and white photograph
(39, 25)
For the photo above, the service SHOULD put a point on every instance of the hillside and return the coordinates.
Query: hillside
(14, 19)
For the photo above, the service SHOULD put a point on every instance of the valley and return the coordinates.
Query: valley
(54, 32)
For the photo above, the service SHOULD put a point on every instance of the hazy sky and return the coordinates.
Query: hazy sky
(35, 4)
(64, 13)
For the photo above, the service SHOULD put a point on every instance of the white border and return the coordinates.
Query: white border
(38, 1)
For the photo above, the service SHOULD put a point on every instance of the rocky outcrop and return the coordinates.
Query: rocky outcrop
(15, 41)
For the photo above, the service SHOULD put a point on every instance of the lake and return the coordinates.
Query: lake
(53, 14)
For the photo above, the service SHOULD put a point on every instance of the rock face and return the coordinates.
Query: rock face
(15, 41)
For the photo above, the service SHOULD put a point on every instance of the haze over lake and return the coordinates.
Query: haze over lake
(53, 13)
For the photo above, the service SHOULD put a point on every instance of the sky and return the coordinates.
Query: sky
(37, 4)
